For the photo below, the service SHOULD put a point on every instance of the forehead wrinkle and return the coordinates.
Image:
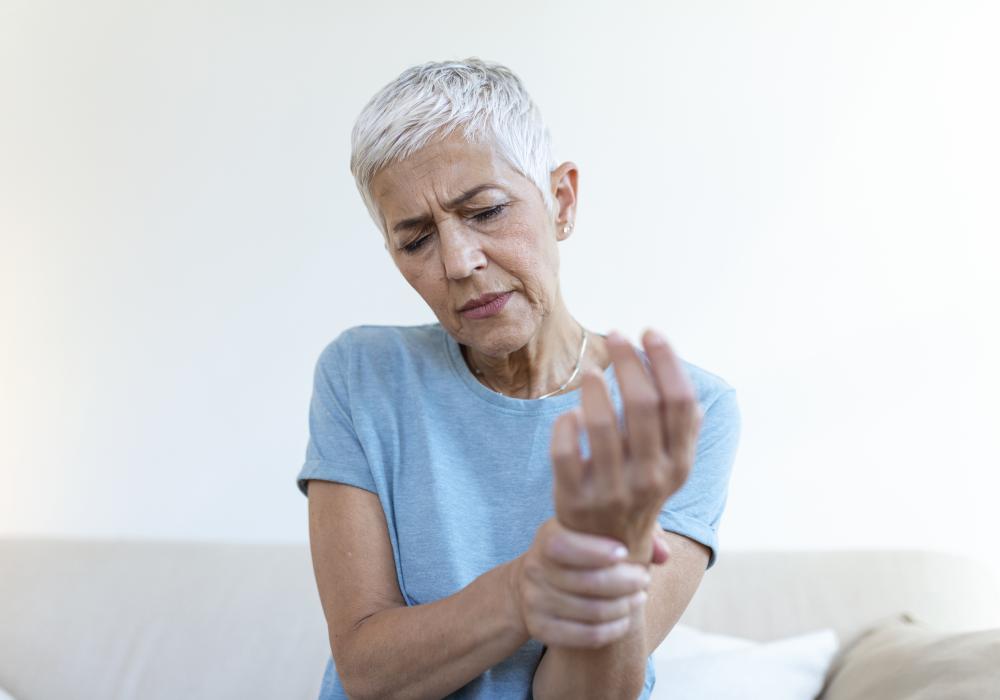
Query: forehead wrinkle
(461, 199)
(443, 158)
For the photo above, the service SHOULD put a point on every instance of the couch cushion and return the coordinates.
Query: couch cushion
(159, 620)
(694, 665)
(905, 658)
(767, 595)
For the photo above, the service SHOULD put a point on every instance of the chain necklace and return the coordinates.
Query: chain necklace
(576, 370)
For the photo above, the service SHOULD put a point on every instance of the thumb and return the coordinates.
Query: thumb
(661, 551)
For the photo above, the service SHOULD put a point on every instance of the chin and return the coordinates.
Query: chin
(503, 340)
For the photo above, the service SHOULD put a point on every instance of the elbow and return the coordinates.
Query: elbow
(362, 681)
(355, 691)
(354, 687)
(359, 685)
(355, 674)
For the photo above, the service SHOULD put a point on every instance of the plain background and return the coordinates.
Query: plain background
(801, 196)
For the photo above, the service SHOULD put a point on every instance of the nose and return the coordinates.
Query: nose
(461, 252)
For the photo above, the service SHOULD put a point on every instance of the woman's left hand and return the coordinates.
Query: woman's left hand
(619, 491)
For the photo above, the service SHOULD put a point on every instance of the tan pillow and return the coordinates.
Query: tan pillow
(903, 658)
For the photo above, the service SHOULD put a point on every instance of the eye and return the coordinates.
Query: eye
(417, 244)
(490, 213)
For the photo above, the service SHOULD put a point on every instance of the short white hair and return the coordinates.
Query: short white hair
(433, 99)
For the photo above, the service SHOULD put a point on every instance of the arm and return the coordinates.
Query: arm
(619, 491)
(382, 647)
(618, 669)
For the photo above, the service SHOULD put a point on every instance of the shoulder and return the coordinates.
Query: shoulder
(372, 343)
(719, 405)
(716, 397)
(708, 386)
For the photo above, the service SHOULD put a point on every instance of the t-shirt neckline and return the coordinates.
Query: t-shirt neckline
(552, 404)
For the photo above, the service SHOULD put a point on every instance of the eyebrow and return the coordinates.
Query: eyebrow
(458, 201)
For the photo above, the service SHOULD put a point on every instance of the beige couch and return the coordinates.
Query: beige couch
(152, 619)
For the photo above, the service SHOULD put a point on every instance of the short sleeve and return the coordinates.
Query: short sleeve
(333, 452)
(695, 510)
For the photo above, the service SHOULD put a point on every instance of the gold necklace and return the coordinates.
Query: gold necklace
(576, 370)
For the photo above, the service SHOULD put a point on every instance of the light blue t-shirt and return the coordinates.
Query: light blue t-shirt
(464, 474)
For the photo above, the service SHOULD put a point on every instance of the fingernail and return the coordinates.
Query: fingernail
(656, 339)
(616, 337)
(640, 598)
(619, 552)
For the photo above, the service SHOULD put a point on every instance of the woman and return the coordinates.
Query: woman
(488, 494)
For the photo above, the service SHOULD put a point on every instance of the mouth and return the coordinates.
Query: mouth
(481, 300)
(493, 306)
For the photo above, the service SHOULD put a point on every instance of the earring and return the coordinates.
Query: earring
(568, 227)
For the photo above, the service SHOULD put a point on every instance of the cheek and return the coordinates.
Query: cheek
(431, 288)
(526, 263)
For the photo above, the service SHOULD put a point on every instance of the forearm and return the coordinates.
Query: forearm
(616, 670)
(433, 649)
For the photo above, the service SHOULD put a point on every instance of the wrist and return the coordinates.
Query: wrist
(641, 550)
(512, 588)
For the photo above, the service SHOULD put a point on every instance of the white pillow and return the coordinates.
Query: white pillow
(694, 665)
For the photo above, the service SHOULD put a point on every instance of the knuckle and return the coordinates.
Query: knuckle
(614, 499)
(646, 402)
(600, 424)
(681, 402)
(561, 454)
(681, 471)
(652, 478)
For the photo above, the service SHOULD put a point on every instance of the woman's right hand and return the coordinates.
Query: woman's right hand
(571, 589)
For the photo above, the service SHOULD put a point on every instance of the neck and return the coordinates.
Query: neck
(544, 363)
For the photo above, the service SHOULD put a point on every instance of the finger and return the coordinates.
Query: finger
(567, 462)
(601, 423)
(661, 550)
(577, 635)
(583, 551)
(680, 413)
(641, 404)
(608, 582)
(576, 608)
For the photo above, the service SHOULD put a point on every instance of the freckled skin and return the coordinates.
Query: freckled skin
(531, 347)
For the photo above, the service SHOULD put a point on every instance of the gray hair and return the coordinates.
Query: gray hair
(430, 101)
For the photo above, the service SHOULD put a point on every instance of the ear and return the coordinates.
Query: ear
(564, 189)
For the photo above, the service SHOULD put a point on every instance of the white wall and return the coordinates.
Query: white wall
(803, 196)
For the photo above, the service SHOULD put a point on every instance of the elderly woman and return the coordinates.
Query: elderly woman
(502, 504)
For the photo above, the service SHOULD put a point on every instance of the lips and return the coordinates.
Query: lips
(489, 309)
(481, 301)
